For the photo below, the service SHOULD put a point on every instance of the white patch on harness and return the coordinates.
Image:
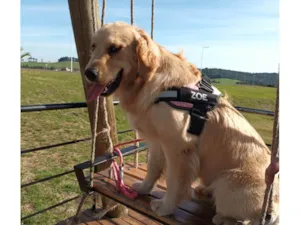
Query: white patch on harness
(216, 91)
(168, 94)
(199, 96)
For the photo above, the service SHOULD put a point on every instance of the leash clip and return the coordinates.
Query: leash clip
(121, 171)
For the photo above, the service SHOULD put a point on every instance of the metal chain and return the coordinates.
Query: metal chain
(131, 11)
(267, 204)
(103, 12)
(93, 16)
(152, 19)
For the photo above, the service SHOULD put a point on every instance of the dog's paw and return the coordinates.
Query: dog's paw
(161, 208)
(217, 220)
(201, 190)
(141, 188)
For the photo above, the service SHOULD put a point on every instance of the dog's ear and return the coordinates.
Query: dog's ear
(194, 70)
(180, 55)
(147, 56)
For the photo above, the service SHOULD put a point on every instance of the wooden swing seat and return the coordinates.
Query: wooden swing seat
(189, 212)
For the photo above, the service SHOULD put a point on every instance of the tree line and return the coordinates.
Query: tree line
(264, 79)
(67, 59)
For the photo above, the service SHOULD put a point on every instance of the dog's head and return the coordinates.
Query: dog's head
(121, 53)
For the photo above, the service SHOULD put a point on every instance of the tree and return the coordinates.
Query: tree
(67, 59)
(26, 54)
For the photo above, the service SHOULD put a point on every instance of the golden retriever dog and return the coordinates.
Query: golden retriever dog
(229, 156)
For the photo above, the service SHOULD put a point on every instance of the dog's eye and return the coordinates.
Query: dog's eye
(113, 49)
(93, 47)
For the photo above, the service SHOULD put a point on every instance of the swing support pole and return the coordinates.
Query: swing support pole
(85, 21)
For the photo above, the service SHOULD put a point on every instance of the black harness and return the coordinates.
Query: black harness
(203, 101)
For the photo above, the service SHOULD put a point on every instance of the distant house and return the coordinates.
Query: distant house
(31, 59)
(65, 69)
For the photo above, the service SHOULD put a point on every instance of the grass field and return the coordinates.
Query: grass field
(56, 65)
(43, 128)
(224, 81)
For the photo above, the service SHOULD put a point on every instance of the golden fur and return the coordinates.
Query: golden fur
(229, 156)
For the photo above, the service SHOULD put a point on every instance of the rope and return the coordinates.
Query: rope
(152, 19)
(94, 134)
(96, 115)
(131, 11)
(267, 204)
(94, 143)
(118, 172)
(136, 156)
(103, 12)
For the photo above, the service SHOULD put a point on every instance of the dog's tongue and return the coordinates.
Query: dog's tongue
(94, 91)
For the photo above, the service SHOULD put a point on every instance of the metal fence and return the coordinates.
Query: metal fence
(62, 106)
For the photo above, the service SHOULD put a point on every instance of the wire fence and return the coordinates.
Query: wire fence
(59, 106)
(62, 106)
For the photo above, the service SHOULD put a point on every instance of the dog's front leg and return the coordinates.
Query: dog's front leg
(179, 178)
(155, 166)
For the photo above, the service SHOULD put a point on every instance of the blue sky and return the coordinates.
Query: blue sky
(241, 34)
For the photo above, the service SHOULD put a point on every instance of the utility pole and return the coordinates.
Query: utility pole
(71, 64)
(203, 47)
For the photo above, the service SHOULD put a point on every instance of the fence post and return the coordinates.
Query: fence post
(83, 15)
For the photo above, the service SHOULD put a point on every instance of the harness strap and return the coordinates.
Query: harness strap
(206, 84)
(197, 101)
(204, 93)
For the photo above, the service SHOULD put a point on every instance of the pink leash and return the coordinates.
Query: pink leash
(118, 172)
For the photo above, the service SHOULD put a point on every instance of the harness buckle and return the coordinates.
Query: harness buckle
(197, 121)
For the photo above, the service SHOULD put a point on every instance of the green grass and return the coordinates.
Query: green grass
(247, 95)
(250, 96)
(48, 127)
(224, 81)
(56, 65)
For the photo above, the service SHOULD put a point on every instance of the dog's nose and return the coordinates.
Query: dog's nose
(91, 74)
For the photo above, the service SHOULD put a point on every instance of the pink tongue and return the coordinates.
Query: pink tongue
(94, 91)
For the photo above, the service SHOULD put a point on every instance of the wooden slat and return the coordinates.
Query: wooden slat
(132, 221)
(106, 222)
(141, 172)
(106, 187)
(140, 175)
(141, 166)
(201, 209)
(188, 212)
(119, 221)
(143, 219)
